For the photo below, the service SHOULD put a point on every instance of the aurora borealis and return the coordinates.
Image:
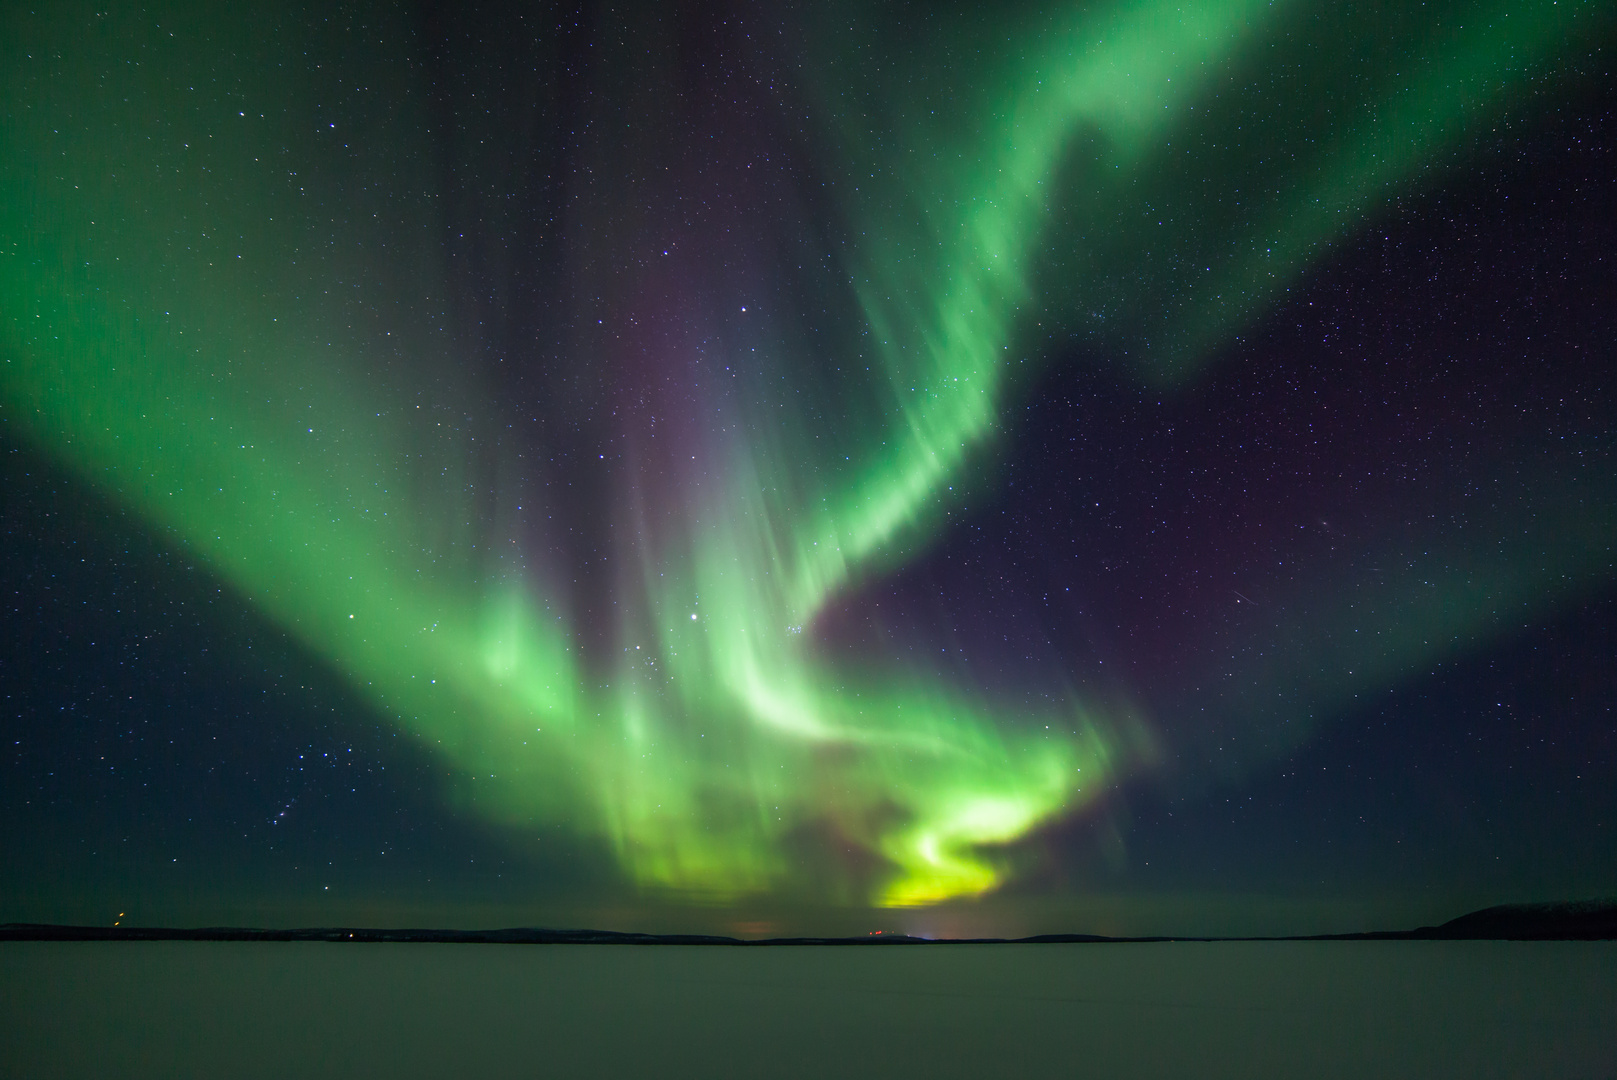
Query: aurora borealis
(611, 400)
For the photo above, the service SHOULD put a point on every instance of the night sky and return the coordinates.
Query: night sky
(1110, 467)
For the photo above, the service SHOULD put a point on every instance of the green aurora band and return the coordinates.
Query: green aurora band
(181, 325)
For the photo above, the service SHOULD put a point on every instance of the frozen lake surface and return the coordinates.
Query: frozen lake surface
(1220, 1009)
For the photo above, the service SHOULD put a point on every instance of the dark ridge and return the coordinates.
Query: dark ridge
(1586, 920)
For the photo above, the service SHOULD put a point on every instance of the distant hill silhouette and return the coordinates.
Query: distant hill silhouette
(1587, 920)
